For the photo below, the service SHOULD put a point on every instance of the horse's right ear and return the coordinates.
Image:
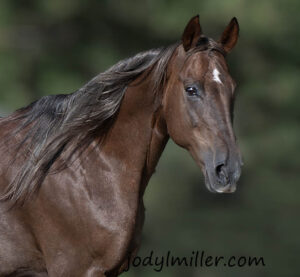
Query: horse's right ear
(191, 34)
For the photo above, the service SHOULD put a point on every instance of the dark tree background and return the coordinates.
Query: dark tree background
(55, 46)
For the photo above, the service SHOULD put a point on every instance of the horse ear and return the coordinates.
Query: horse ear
(230, 35)
(192, 33)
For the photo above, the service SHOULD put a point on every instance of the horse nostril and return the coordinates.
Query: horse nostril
(219, 169)
(221, 173)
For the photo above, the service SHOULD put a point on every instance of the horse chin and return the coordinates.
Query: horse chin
(230, 188)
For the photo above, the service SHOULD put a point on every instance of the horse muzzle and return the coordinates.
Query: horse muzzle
(222, 178)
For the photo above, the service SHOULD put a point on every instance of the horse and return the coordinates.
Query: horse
(74, 167)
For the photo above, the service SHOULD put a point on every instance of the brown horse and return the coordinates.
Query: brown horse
(75, 167)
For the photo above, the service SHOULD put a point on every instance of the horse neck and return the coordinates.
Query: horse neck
(138, 135)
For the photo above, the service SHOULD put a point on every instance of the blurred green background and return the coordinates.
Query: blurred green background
(56, 46)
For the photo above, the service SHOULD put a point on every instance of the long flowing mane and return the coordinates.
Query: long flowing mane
(56, 123)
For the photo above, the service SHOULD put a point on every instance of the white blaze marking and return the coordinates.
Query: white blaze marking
(216, 75)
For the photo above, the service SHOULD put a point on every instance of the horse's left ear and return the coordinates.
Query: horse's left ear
(191, 34)
(230, 35)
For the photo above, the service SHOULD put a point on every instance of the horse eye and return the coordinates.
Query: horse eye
(192, 91)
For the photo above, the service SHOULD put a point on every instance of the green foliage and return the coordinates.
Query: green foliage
(49, 47)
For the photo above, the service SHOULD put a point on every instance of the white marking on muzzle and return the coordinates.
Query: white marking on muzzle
(216, 75)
